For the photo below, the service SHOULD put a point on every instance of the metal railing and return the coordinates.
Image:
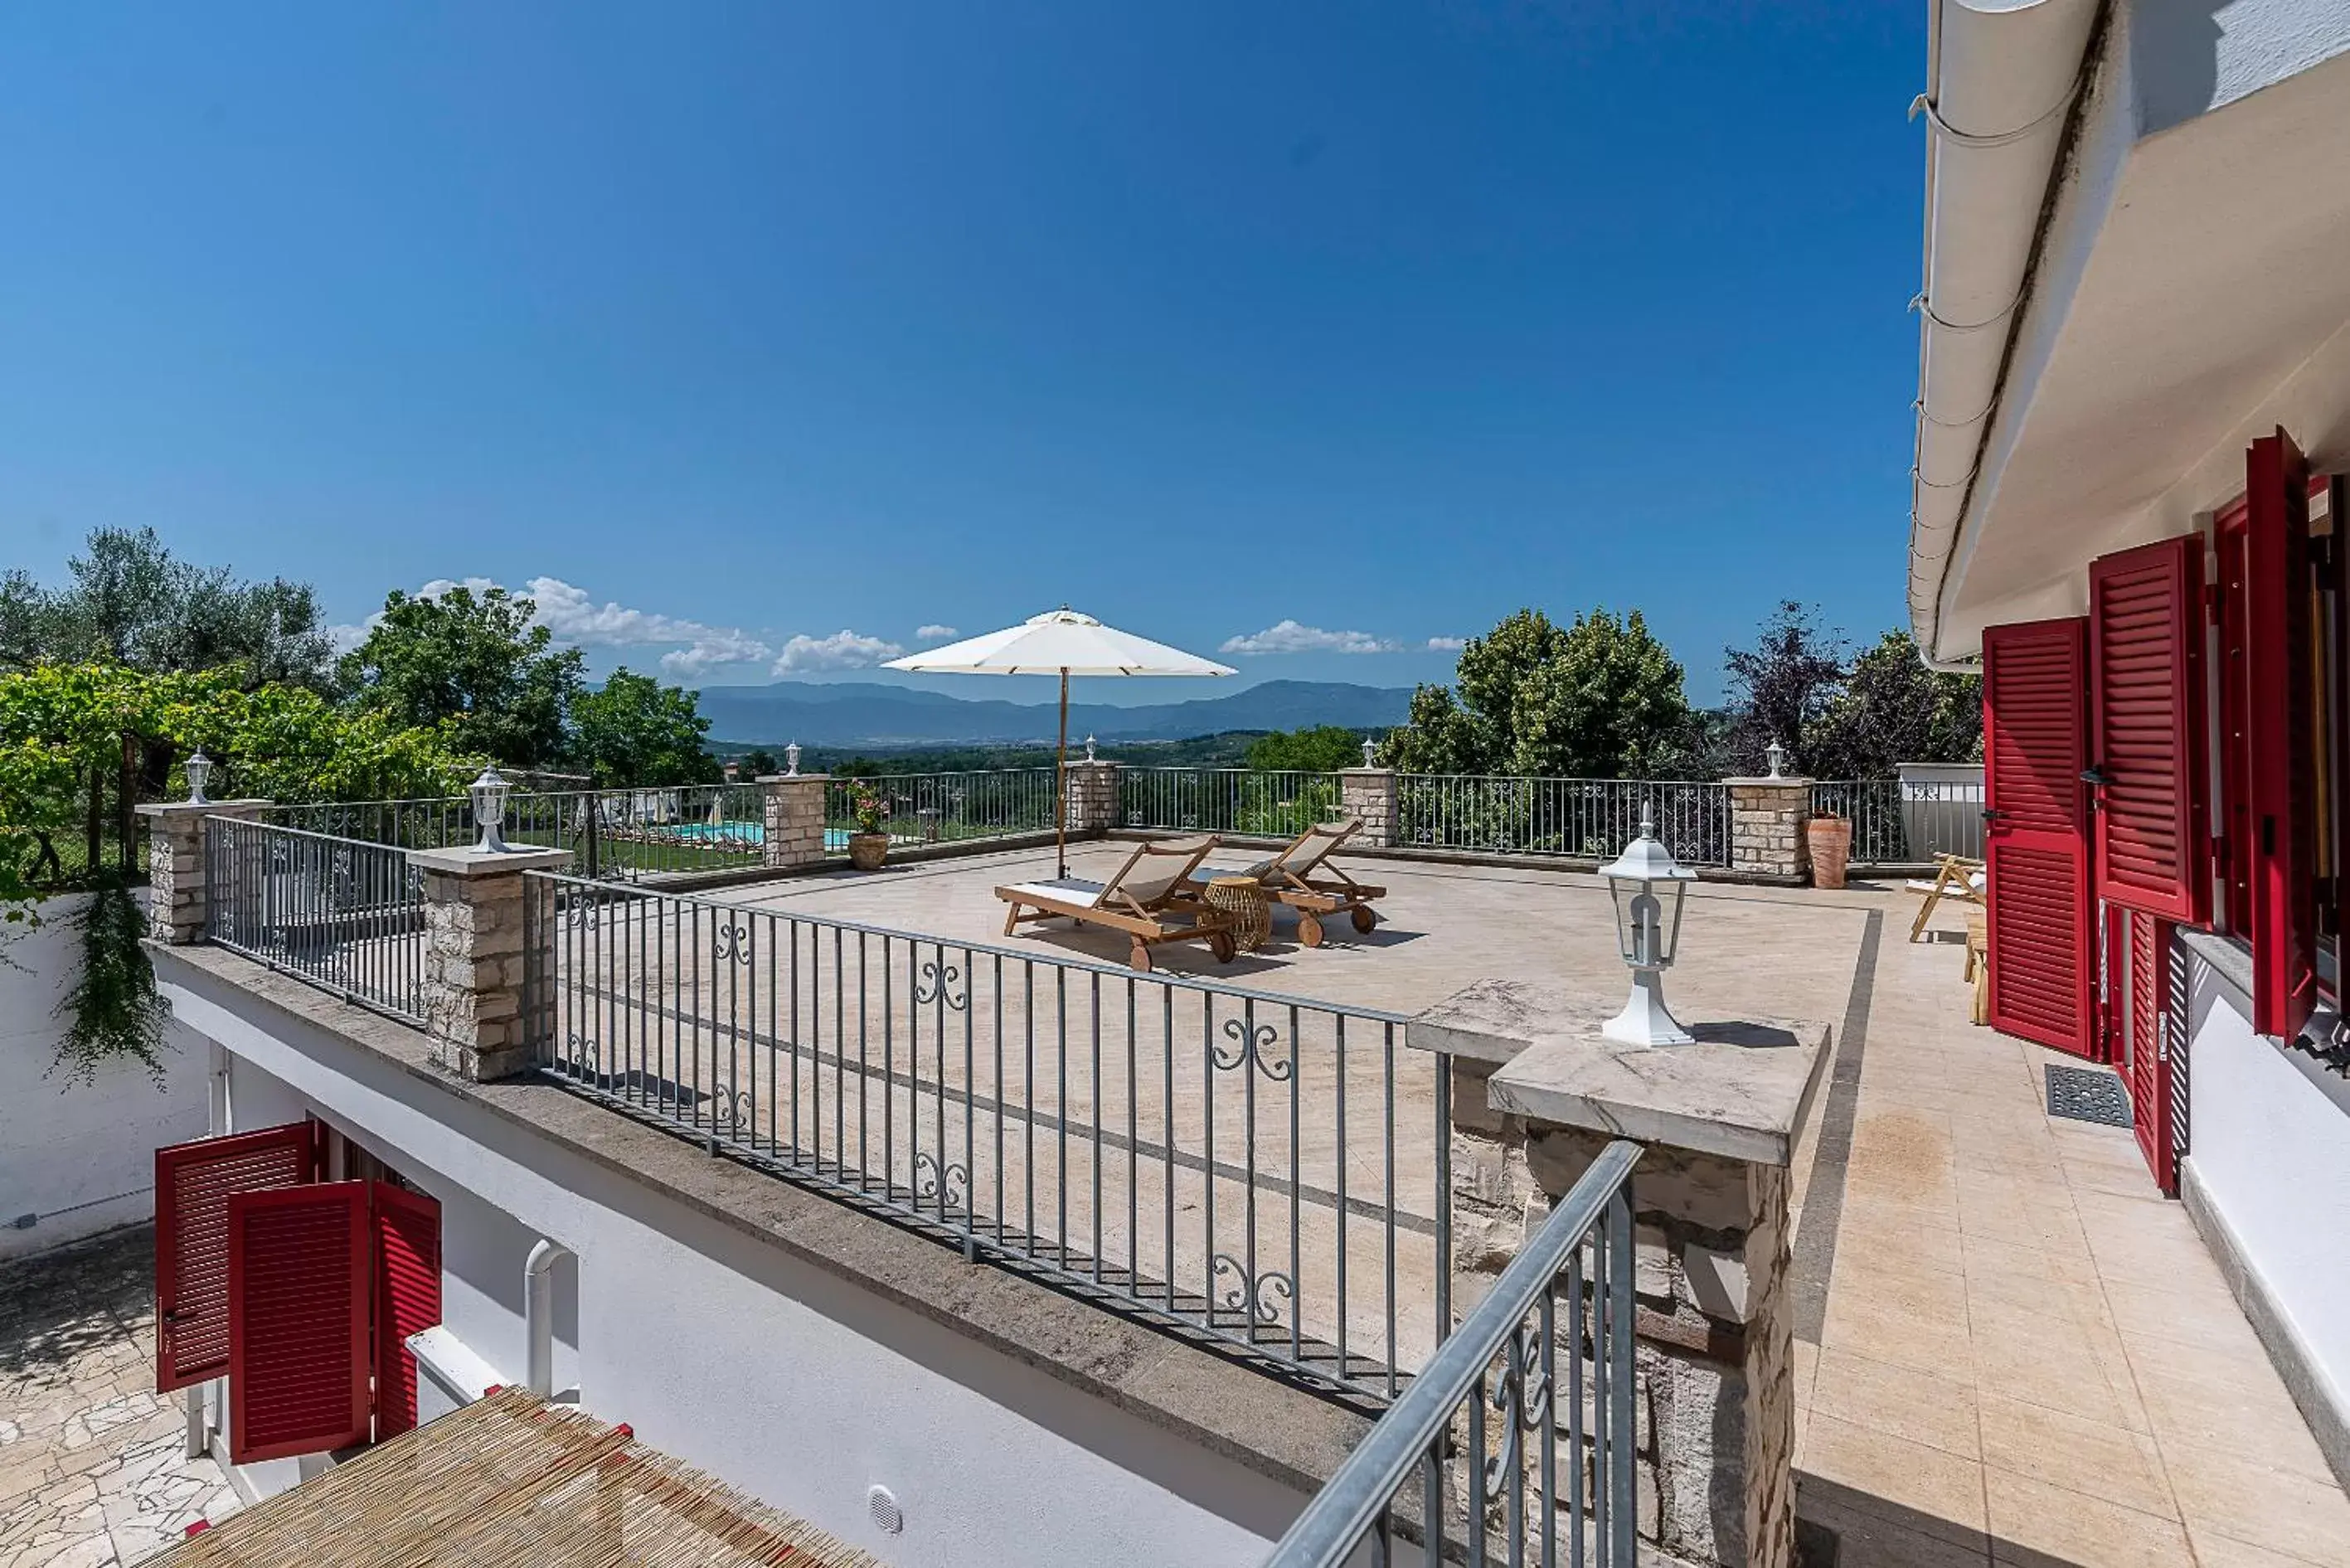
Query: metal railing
(1585, 818)
(1218, 1160)
(1511, 1455)
(1243, 802)
(944, 808)
(1906, 822)
(345, 916)
(619, 835)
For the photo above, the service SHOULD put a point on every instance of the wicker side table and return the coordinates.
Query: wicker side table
(1243, 901)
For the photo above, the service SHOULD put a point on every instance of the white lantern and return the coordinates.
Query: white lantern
(1368, 749)
(489, 793)
(200, 768)
(1777, 755)
(1648, 886)
(792, 760)
(1089, 748)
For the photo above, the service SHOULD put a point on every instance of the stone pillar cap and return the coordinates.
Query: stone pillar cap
(1783, 780)
(174, 808)
(476, 862)
(792, 778)
(1741, 1091)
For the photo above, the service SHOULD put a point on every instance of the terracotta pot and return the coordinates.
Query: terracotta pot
(867, 850)
(1829, 840)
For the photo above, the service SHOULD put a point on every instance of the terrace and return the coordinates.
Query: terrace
(1254, 1156)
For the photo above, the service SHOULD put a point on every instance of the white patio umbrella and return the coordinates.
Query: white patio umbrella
(1061, 642)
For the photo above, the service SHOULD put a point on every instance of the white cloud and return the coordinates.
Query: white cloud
(1447, 644)
(935, 634)
(1288, 637)
(843, 649)
(694, 648)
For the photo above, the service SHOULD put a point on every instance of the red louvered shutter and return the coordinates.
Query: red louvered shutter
(2147, 1062)
(2279, 767)
(299, 1306)
(406, 1298)
(2145, 659)
(2036, 830)
(193, 1182)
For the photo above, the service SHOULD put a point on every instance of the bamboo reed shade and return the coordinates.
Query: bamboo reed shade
(509, 1479)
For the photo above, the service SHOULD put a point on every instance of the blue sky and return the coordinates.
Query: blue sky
(1331, 328)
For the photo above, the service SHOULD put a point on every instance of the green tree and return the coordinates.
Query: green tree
(1894, 710)
(636, 732)
(472, 665)
(1602, 697)
(759, 762)
(131, 601)
(1323, 749)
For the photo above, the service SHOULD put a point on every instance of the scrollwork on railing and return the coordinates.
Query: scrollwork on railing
(732, 943)
(340, 880)
(1521, 1396)
(733, 1107)
(1253, 1042)
(587, 1055)
(948, 1185)
(1263, 1297)
(940, 978)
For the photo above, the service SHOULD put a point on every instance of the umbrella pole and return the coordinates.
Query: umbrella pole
(1061, 788)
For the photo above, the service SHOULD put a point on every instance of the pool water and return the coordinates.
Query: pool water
(745, 833)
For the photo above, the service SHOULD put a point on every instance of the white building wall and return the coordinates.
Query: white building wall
(799, 1386)
(77, 1160)
(2268, 1175)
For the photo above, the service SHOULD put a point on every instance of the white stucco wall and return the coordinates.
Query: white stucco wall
(79, 1158)
(782, 1378)
(2269, 1151)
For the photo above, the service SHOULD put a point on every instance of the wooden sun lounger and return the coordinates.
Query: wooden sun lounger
(1301, 878)
(1955, 876)
(1150, 898)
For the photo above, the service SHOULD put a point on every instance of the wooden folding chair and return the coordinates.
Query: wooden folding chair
(1302, 878)
(1955, 876)
(1150, 898)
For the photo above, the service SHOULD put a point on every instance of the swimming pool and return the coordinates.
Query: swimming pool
(745, 833)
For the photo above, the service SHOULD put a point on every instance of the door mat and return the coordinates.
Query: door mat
(2087, 1094)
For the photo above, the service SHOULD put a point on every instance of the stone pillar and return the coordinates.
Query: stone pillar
(1536, 1095)
(474, 961)
(176, 906)
(1766, 828)
(793, 832)
(1370, 793)
(1093, 790)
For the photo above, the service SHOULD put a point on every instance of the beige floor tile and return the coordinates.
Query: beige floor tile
(2050, 1361)
(2207, 1320)
(2219, 1405)
(2032, 1522)
(1867, 1537)
(1899, 1400)
(2294, 1514)
(2059, 1448)
(2073, 1265)
(2216, 1550)
(1887, 1334)
(1936, 1492)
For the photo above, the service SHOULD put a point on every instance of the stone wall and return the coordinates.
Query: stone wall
(1766, 828)
(792, 830)
(1714, 1387)
(475, 963)
(1093, 796)
(1370, 793)
(177, 907)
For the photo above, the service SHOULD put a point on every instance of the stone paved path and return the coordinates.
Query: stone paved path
(91, 1467)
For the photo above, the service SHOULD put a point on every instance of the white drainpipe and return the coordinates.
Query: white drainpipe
(2001, 79)
(538, 1315)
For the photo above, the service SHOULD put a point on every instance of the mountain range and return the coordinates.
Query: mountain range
(865, 713)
